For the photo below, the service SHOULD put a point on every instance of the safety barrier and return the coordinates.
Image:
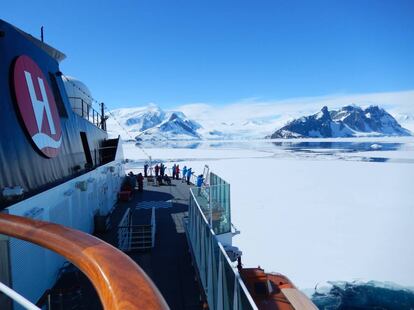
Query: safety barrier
(124, 234)
(153, 226)
(85, 109)
(220, 280)
(136, 237)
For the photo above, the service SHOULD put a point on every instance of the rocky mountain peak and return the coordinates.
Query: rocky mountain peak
(349, 121)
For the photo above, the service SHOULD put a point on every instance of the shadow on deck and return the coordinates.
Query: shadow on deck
(168, 264)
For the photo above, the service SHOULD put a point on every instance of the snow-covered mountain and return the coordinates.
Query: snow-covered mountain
(152, 123)
(405, 120)
(349, 121)
(143, 119)
(175, 126)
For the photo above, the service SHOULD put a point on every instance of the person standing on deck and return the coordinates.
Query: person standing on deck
(177, 172)
(174, 171)
(157, 169)
(184, 173)
(200, 181)
(140, 180)
(146, 170)
(132, 180)
(189, 173)
(162, 169)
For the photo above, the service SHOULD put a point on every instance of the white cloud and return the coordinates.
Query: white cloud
(280, 111)
(253, 117)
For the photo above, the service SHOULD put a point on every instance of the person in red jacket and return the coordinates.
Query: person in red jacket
(177, 172)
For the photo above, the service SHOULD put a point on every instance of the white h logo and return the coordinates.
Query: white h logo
(40, 106)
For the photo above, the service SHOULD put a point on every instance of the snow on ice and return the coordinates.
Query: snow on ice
(313, 219)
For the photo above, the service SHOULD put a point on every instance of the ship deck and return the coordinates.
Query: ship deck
(168, 264)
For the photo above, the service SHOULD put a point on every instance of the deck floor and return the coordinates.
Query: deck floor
(168, 264)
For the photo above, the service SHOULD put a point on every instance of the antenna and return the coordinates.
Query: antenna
(41, 33)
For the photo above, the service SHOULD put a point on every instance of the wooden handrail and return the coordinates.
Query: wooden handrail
(118, 280)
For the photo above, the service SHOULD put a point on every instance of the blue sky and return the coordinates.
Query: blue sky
(172, 53)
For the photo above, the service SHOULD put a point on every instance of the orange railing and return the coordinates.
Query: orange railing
(118, 280)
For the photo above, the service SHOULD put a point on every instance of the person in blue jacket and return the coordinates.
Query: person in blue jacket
(200, 181)
(189, 173)
(184, 174)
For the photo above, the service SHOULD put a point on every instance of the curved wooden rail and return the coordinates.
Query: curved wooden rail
(118, 280)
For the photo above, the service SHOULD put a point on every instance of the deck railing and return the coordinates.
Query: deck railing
(214, 201)
(86, 110)
(153, 227)
(17, 297)
(220, 280)
(118, 280)
(136, 237)
(124, 232)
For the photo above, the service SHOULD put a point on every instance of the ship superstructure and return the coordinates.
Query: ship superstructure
(56, 161)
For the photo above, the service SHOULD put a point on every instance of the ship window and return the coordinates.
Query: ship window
(58, 97)
(260, 288)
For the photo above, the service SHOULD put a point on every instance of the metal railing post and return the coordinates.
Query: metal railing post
(103, 125)
(17, 297)
(153, 227)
